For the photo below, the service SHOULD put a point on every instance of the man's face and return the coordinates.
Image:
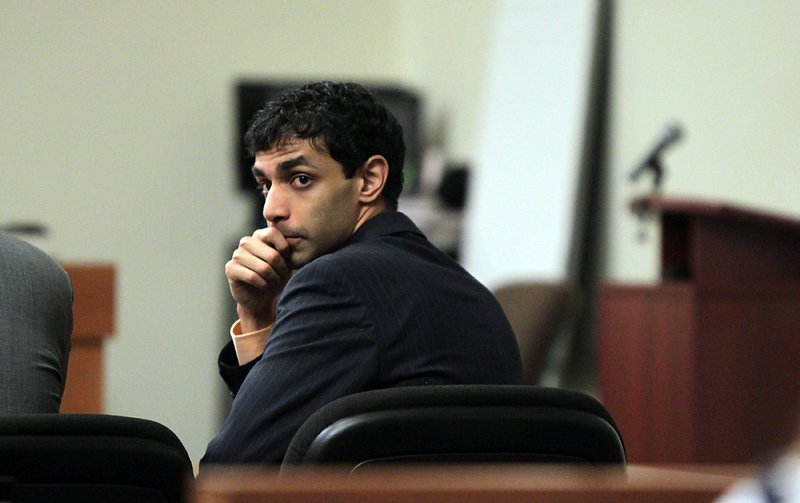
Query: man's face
(308, 199)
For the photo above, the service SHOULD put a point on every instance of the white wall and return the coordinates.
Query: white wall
(729, 71)
(521, 205)
(117, 131)
(447, 47)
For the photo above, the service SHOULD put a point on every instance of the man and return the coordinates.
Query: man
(35, 328)
(341, 293)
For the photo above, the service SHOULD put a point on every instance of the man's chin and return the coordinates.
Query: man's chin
(302, 255)
(296, 260)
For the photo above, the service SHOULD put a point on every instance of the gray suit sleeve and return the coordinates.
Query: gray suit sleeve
(35, 328)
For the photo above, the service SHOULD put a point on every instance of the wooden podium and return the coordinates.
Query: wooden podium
(704, 367)
(93, 323)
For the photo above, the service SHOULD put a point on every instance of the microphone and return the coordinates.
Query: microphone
(652, 161)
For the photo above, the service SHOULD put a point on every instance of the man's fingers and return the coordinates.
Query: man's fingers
(237, 273)
(259, 260)
(273, 238)
(248, 265)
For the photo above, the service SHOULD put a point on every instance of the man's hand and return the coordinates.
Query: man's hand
(257, 273)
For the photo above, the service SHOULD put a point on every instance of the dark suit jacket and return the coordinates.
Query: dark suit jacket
(388, 309)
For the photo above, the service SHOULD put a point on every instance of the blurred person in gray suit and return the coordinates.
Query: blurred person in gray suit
(342, 293)
(776, 482)
(35, 328)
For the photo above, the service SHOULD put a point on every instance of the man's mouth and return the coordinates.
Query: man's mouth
(291, 235)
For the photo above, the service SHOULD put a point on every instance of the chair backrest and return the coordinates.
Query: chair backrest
(91, 457)
(536, 312)
(459, 423)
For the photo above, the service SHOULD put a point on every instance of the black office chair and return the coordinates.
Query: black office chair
(459, 423)
(91, 457)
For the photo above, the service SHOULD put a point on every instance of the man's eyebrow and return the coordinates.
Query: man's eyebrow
(284, 166)
(257, 173)
(291, 163)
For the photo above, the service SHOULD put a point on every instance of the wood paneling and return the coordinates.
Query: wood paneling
(93, 312)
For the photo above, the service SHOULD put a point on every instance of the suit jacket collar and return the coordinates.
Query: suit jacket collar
(384, 224)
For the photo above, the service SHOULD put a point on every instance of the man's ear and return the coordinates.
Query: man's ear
(373, 175)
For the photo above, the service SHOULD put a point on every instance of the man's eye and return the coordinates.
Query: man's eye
(263, 186)
(301, 180)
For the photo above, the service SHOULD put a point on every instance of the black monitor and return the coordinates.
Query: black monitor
(402, 103)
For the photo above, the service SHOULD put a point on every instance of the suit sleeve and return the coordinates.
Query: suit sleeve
(232, 373)
(322, 347)
(35, 328)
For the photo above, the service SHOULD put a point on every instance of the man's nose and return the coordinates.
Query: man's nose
(275, 205)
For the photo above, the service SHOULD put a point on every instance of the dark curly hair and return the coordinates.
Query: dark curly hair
(341, 118)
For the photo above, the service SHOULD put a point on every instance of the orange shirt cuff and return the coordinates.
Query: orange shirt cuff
(251, 345)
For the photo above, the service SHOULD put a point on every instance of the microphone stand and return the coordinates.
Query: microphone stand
(652, 163)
